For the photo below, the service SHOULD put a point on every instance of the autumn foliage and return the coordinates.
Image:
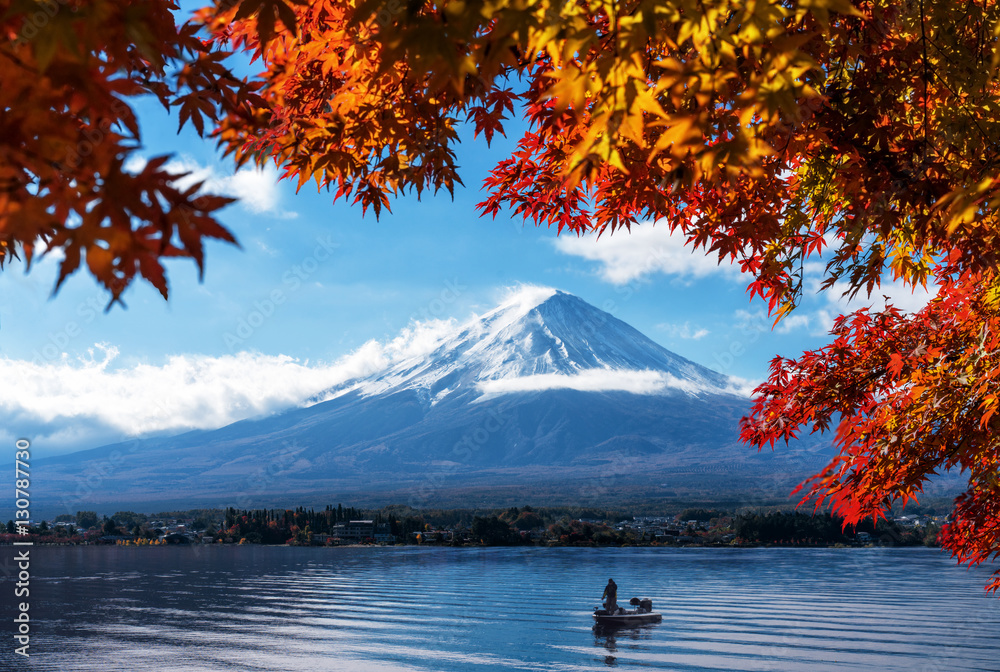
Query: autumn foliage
(861, 134)
(70, 71)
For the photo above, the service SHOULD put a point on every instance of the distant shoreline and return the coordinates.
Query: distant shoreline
(468, 546)
(512, 527)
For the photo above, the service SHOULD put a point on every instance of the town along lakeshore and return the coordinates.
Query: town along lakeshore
(513, 526)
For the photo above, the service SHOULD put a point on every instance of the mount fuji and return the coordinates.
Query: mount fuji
(545, 399)
(541, 339)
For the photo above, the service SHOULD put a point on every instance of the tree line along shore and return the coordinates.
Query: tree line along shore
(514, 526)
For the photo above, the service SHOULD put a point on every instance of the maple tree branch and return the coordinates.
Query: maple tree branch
(923, 39)
(973, 116)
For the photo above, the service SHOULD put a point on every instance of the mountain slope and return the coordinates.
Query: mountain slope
(545, 392)
(539, 331)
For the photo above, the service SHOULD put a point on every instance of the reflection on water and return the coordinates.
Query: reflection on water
(209, 609)
(607, 637)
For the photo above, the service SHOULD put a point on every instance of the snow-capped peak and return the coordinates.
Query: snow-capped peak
(524, 298)
(540, 338)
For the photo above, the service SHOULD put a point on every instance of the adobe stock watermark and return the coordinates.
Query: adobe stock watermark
(291, 281)
(749, 331)
(653, 261)
(967, 634)
(620, 463)
(86, 312)
(34, 23)
(387, 12)
(259, 481)
(462, 453)
(93, 136)
(439, 305)
(22, 588)
(94, 480)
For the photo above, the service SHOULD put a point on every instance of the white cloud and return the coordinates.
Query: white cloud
(524, 297)
(685, 331)
(87, 401)
(626, 256)
(823, 321)
(134, 164)
(742, 387)
(256, 188)
(594, 380)
(43, 253)
(819, 308)
(758, 321)
(793, 322)
(266, 249)
(418, 338)
(906, 299)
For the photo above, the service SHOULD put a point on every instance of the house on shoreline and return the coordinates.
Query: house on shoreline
(358, 531)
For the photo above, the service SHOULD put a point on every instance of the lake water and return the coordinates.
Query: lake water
(289, 609)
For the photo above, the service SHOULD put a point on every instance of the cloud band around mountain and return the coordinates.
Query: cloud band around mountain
(595, 380)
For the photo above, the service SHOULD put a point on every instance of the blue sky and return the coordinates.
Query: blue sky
(316, 285)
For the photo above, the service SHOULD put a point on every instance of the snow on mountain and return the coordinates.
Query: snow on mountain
(541, 338)
(544, 391)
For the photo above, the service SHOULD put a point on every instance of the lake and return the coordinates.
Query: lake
(288, 609)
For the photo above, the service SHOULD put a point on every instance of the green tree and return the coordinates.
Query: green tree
(528, 520)
(701, 515)
(86, 519)
(129, 519)
(491, 531)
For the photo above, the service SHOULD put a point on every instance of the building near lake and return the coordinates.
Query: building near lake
(357, 531)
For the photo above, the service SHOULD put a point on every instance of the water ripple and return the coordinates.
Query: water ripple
(285, 609)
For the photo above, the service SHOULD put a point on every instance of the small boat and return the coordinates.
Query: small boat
(641, 613)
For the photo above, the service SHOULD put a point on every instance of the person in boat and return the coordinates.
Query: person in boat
(611, 593)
